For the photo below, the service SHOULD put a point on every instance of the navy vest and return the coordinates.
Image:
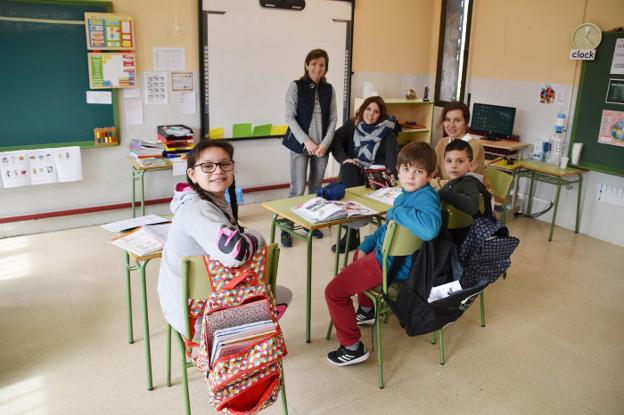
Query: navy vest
(306, 90)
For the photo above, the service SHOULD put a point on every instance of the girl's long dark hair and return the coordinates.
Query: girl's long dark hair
(192, 161)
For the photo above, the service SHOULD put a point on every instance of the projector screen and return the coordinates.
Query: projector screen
(250, 54)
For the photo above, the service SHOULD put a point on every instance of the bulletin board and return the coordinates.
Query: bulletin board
(108, 31)
(44, 76)
(599, 114)
(112, 70)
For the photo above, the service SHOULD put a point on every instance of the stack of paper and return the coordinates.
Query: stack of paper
(143, 241)
(385, 195)
(146, 149)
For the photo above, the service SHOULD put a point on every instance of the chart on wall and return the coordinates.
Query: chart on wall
(252, 53)
(112, 70)
(109, 31)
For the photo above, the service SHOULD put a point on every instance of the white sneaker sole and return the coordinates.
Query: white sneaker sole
(366, 322)
(350, 362)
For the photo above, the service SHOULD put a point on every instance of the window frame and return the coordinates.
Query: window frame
(466, 48)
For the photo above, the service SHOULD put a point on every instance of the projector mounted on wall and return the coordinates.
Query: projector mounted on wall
(284, 4)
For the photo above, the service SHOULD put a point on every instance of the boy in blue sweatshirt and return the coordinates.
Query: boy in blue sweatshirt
(418, 209)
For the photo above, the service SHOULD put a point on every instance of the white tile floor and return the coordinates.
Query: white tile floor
(553, 344)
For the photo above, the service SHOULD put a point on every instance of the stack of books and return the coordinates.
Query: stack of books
(176, 139)
(147, 153)
(233, 330)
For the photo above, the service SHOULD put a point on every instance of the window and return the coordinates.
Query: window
(453, 50)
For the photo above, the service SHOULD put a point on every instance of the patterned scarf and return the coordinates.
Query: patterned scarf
(367, 139)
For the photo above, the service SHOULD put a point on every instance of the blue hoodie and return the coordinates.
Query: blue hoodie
(419, 211)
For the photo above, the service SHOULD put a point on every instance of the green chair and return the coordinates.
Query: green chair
(500, 183)
(458, 219)
(399, 241)
(195, 285)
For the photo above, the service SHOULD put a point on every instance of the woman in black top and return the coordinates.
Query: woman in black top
(367, 139)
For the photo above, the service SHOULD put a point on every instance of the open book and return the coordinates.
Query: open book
(144, 240)
(385, 195)
(318, 209)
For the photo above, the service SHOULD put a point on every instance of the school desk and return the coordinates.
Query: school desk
(282, 209)
(138, 173)
(546, 173)
(504, 148)
(139, 263)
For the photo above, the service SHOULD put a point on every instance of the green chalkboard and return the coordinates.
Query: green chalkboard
(591, 102)
(44, 75)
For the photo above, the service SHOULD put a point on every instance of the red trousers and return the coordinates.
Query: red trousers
(361, 275)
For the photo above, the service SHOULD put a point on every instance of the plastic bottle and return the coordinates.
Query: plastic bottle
(556, 148)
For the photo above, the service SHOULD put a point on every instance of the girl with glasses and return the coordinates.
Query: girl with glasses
(203, 223)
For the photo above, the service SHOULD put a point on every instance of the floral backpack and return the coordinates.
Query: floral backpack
(243, 372)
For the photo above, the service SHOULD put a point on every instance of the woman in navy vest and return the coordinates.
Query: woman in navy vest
(311, 117)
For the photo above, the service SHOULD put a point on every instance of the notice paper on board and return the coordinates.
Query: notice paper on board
(43, 166)
(99, 97)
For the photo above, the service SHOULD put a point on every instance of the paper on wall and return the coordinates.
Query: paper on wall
(99, 97)
(14, 169)
(42, 166)
(133, 110)
(168, 59)
(68, 164)
(186, 102)
(617, 64)
(155, 88)
(552, 93)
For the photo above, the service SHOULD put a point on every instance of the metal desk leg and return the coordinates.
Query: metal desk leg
(133, 203)
(578, 204)
(552, 223)
(142, 175)
(148, 353)
(129, 299)
(309, 286)
(346, 255)
(530, 201)
(337, 261)
(273, 222)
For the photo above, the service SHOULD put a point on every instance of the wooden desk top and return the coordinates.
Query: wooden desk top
(504, 144)
(153, 255)
(136, 166)
(283, 208)
(537, 166)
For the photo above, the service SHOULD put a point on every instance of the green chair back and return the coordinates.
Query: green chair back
(399, 241)
(458, 219)
(500, 183)
(195, 283)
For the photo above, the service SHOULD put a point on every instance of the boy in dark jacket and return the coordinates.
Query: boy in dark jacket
(464, 187)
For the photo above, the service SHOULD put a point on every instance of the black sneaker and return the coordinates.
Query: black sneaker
(345, 357)
(286, 239)
(316, 234)
(353, 244)
(365, 318)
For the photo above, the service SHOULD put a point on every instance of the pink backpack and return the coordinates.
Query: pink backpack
(245, 374)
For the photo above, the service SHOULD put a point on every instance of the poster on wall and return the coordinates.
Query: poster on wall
(612, 128)
(615, 92)
(108, 31)
(617, 63)
(48, 165)
(552, 93)
(112, 70)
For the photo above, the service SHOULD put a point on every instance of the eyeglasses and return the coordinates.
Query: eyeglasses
(210, 167)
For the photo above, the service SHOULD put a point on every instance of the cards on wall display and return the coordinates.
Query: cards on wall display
(51, 165)
(112, 70)
(109, 31)
(155, 88)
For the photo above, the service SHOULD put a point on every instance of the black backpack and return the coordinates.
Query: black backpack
(486, 251)
(432, 266)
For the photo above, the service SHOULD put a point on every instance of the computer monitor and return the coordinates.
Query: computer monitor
(494, 122)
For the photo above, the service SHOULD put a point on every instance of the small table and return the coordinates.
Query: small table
(140, 263)
(547, 173)
(506, 147)
(283, 209)
(138, 173)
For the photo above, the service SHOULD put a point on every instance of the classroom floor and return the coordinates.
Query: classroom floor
(553, 344)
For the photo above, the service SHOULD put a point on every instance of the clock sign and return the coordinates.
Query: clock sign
(585, 38)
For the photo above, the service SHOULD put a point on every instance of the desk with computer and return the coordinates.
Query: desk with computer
(495, 124)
